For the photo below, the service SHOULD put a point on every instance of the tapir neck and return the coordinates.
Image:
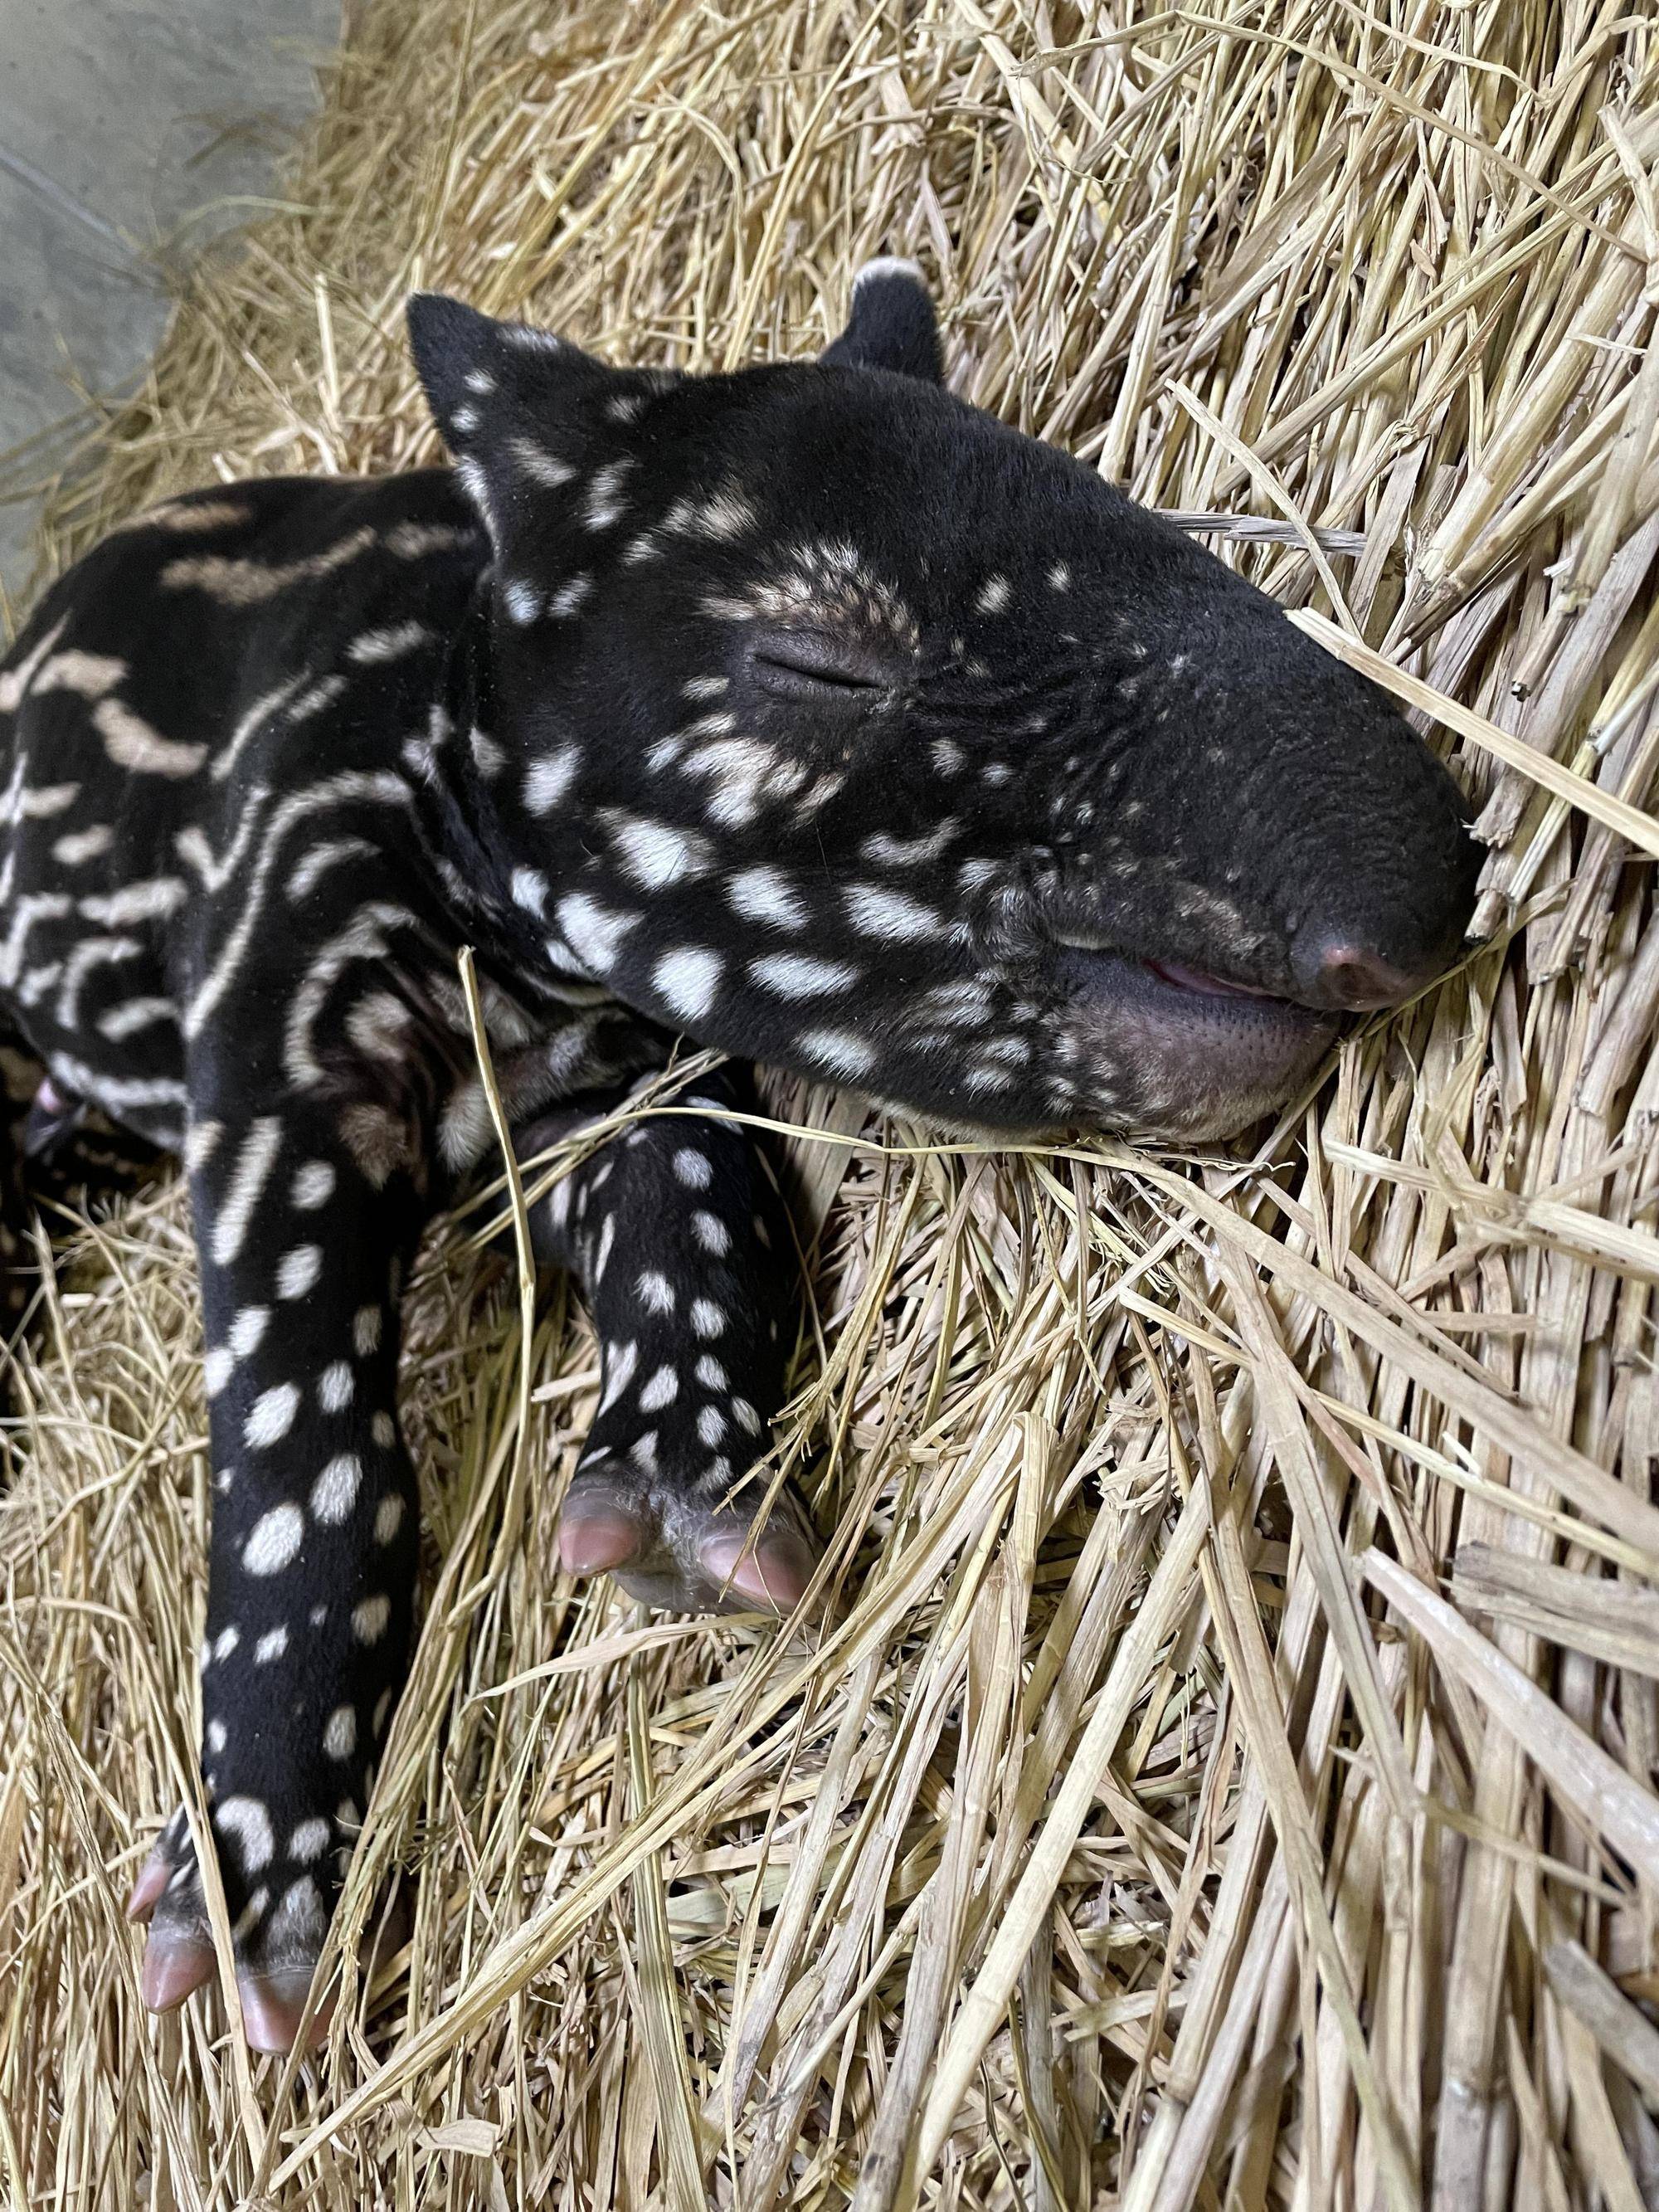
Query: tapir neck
(460, 822)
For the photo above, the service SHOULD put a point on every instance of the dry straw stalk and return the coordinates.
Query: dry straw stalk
(1225, 1774)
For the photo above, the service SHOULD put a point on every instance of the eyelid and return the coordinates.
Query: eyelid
(798, 663)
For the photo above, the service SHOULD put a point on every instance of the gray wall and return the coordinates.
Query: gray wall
(131, 132)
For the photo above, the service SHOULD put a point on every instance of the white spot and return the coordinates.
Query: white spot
(661, 1390)
(763, 895)
(708, 1319)
(298, 1271)
(620, 1364)
(335, 1491)
(907, 851)
(687, 979)
(655, 1291)
(308, 1841)
(271, 1645)
(228, 1639)
(711, 1232)
(215, 1369)
(529, 890)
(335, 1386)
(1060, 577)
(994, 594)
(247, 1331)
(276, 1539)
(592, 932)
(78, 845)
(384, 1430)
(272, 1415)
(369, 1619)
(747, 1417)
(711, 1374)
(693, 1169)
(878, 912)
(313, 1185)
(521, 601)
(546, 780)
(538, 464)
(565, 601)
(366, 1330)
(340, 1736)
(374, 646)
(247, 1821)
(796, 975)
(654, 854)
(602, 507)
(388, 1517)
(838, 1050)
(711, 1426)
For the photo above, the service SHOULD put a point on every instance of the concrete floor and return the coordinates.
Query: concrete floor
(132, 133)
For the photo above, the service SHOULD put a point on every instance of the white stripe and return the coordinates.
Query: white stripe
(254, 718)
(37, 906)
(316, 859)
(132, 743)
(151, 900)
(15, 683)
(248, 1177)
(364, 938)
(134, 1014)
(193, 847)
(91, 952)
(352, 783)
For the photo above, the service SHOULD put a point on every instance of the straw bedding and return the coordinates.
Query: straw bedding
(1227, 1777)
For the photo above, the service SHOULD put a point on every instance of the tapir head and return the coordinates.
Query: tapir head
(837, 725)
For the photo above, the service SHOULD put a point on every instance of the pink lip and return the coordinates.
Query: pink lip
(1200, 979)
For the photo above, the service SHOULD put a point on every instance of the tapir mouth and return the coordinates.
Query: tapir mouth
(1199, 994)
(1183, 1050)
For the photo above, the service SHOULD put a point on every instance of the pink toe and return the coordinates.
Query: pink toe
(147, 1890)
(173, 1967)
(271, 2006)
(772, 1572)
(593, 1538)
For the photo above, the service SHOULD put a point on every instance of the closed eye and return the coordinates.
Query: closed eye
(820, 666)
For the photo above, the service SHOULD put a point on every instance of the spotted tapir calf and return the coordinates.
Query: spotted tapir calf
(806, 713)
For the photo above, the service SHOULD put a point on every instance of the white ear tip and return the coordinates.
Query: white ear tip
(885, 265)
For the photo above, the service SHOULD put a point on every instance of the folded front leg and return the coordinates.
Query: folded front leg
(313, 1554)
(683, 1250)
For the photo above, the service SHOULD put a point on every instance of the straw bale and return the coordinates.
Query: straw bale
(1225, 1773)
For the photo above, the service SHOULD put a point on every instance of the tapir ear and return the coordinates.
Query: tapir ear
(520, 408)
(450, 342)
(892, 323)
(476, 371)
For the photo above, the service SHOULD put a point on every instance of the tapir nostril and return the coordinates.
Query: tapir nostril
(1335, 972)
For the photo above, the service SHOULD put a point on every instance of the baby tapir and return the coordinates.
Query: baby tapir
(807, 712)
